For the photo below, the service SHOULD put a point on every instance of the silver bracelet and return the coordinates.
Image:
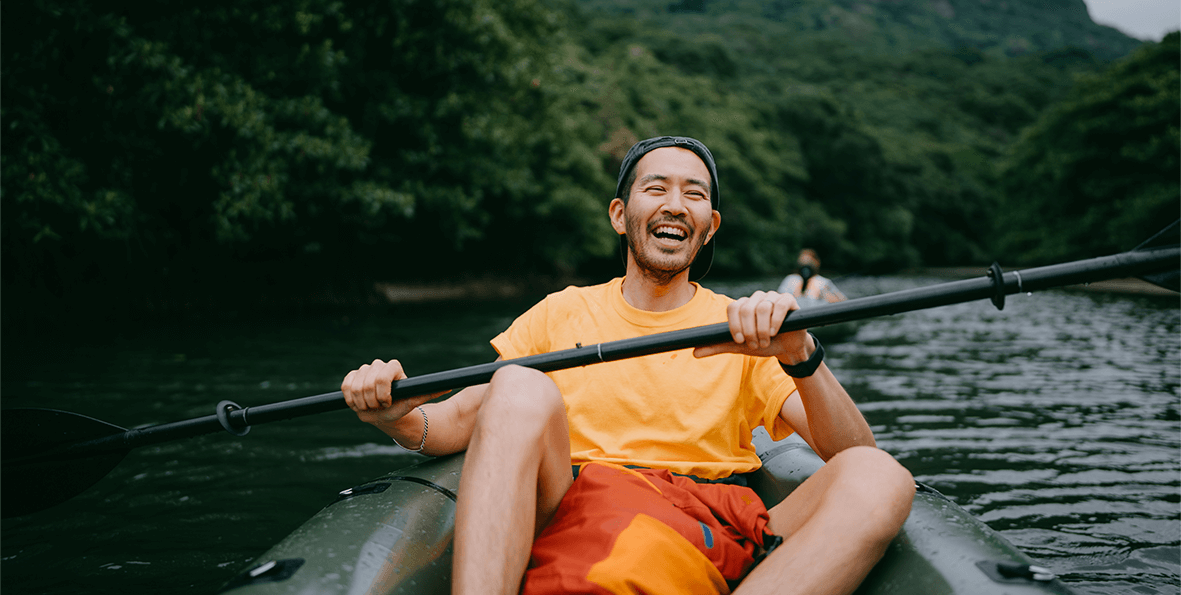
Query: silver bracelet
(425, 426)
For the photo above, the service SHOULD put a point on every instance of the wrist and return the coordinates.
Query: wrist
(809, 365)
(410, 430)
(795, 358)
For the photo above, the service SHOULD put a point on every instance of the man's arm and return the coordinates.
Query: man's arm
(448, 424)
(823, 413)
(820, 411)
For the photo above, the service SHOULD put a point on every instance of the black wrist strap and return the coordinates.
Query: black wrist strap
(806, 368)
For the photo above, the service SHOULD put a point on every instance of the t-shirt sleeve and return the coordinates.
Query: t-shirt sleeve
(772, 388)
(526, 335)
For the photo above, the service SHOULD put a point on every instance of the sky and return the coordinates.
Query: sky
(1142, 19)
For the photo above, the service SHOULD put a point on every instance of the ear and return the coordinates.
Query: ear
(713, 226)
(616, 211)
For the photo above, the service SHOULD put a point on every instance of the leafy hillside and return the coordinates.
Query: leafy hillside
(994, 27)
(259, 151)
(900, 110)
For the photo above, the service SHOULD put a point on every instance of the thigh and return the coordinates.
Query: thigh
(525, 416)
(554, 475)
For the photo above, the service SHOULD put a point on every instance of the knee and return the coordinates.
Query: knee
(521, 398)
(876, 465)
(882, 481)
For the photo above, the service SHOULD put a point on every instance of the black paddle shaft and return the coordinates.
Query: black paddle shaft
(995, 287)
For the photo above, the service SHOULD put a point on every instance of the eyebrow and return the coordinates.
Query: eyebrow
(662, 178)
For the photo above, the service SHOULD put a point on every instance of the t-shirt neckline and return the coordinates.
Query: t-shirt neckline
(645, 318)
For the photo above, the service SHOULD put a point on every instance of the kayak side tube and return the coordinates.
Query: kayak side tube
(941, 549)
(389, 535)
(394, 534)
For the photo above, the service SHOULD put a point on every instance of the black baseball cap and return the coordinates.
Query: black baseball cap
(705, 257)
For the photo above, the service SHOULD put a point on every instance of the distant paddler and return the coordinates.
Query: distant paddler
(807, 282)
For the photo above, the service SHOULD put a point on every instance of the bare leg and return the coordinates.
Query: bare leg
(835, 526)
(516, 471)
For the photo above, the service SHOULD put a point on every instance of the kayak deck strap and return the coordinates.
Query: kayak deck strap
(425, 482)
(380, 485)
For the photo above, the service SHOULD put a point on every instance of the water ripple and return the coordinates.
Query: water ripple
(1057, 421)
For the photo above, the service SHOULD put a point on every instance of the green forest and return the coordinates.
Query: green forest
(260, 151)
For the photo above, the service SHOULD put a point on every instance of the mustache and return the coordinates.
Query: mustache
(677, 219)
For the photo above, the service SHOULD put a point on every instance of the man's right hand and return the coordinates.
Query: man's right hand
(367, 392)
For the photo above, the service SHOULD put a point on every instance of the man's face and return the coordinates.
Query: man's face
(668, 216)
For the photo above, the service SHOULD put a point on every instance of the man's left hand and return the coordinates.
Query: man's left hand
(754, 326)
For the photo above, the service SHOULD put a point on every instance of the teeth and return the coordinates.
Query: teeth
(667, 230)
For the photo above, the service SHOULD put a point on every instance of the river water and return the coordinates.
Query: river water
(1057, 421)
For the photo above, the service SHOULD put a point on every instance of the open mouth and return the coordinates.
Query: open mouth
(670, 232)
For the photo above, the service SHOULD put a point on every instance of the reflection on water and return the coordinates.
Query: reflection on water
(1057, 421)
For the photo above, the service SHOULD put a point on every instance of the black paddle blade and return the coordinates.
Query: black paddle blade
(1169, 236)
(31, 482)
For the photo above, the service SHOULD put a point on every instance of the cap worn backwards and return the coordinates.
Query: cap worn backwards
(705, 256)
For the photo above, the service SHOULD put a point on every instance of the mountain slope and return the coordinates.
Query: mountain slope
(996, 27)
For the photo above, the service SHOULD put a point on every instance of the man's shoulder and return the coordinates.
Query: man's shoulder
(707, 294)
(582, 292)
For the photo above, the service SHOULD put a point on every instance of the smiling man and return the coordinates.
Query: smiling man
(628, 476)
(665, 243)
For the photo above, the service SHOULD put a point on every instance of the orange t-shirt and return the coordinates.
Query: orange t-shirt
(666, 410)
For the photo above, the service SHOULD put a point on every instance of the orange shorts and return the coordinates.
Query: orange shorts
(621, 530)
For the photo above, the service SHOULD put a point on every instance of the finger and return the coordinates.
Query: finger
(346, 387)
(708, 350)
(763, 311)
(748, 323)
(733, 317)
(369, 388)
(358, 388)
(381, 383)
(392, 371)
(784, 304)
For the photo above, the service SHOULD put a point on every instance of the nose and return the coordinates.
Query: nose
(675, 203)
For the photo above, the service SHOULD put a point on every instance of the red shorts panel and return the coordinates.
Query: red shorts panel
(620, 530)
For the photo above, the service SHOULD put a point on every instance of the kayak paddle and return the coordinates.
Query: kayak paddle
(49, 456)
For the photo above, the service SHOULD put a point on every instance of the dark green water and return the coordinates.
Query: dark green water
(1057, 421)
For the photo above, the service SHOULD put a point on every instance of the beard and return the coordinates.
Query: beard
(655, 262)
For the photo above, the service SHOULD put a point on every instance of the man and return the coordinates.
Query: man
(690, 415)
(807, 282)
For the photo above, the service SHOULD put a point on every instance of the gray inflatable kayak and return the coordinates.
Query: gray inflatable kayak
(393, 535)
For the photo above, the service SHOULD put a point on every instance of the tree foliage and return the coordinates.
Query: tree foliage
(250, 131)
(249, 144)
(1101, 167)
